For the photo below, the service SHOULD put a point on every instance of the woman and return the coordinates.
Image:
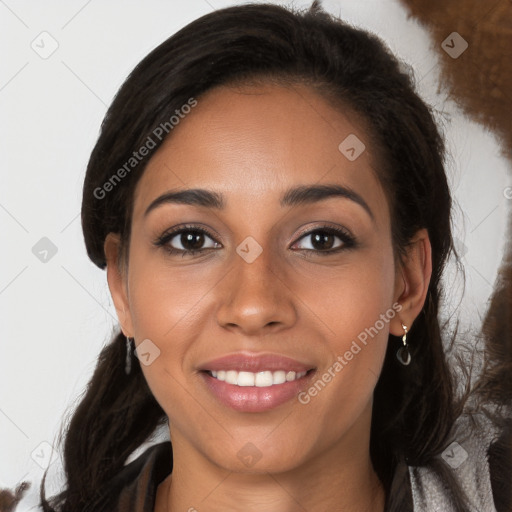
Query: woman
(269, 200)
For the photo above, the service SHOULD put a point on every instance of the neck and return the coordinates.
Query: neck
(329, 482)
(273, 493)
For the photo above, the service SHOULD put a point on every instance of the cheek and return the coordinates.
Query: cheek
(160, 313)
(350, 299)
(164, 300)
(355, 309)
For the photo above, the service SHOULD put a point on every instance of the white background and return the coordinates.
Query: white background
(56, 316)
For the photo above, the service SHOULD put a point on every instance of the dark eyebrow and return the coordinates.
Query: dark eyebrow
(307, 194)
(303, 194)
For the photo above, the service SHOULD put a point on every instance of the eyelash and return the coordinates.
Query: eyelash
(349, 242)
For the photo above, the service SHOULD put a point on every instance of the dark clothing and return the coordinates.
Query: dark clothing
(140, 478)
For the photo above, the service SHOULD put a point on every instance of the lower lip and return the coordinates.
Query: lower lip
(253, 398)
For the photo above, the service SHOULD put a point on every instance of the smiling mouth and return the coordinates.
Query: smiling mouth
(260, 379)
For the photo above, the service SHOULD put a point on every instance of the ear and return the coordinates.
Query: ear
(118, 282)
(412, 281)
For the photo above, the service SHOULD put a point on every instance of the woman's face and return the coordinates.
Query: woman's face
(265, 283)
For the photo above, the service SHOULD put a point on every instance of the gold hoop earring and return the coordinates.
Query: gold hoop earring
(403, 354)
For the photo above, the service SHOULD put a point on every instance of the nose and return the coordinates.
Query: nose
(255, 298)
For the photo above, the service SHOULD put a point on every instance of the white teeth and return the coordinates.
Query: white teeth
(278, 377)
(245, 379)
(290, 376)
(231, 377)
(261, 379)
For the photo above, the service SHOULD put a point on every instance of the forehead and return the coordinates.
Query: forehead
(252, 142)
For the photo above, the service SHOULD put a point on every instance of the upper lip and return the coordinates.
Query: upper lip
(255, 363)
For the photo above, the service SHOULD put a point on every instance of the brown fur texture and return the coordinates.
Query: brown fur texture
(8, 500)
(480, 79)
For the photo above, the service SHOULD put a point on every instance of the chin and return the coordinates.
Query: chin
(250, 460)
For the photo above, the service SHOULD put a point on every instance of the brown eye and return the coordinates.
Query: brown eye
(186, 241)
(323, 240)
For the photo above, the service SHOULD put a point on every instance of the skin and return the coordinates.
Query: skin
(251, 143)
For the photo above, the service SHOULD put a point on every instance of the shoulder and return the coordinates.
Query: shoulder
(469, 458)
(134, 488)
